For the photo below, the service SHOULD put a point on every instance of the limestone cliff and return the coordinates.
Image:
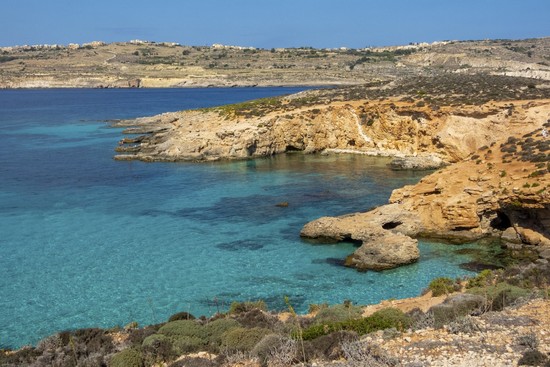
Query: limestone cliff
(389, 127)
(501, 190)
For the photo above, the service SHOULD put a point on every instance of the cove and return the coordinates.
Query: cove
(91, 242)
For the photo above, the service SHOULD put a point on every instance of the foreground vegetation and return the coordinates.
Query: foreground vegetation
(248, 331)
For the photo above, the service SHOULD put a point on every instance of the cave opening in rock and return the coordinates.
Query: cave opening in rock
(391, 225)
(292, 148)
(356, 243)
(501, 221)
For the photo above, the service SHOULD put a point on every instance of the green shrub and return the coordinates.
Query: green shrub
(316, 331)
(501, 294)
(242, 339)
(484, 278)
(380, 320)
(183, 328)
(441, 286)
(214, 330)
(239, 307)
(154, 339)
(156, 348)
(338, 313)
(127, 358)
(187, 344)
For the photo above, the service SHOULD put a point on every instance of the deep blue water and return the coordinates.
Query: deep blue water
(86, 241)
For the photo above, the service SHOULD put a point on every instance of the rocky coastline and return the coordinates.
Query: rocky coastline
(479, 127)
(491, 156)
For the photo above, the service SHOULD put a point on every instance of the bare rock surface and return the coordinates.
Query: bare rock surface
(418, 163)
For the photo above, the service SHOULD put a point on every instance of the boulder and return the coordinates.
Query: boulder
(384, 250)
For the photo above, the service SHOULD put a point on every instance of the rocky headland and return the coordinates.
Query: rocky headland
(491, 147)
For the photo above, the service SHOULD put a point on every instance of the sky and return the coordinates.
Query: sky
(271, 23)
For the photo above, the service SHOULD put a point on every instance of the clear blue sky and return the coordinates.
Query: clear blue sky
(270, 23)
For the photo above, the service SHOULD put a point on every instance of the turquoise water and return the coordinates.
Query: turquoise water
(87, 241)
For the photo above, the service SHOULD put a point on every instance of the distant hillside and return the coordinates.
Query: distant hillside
(150, 64)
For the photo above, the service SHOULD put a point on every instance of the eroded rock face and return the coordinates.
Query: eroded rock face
(384, 244)
(494, 193)
(424, 138)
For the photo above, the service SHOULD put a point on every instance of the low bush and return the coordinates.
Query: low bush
(158, 348)
(363, 353)
(330, 346)
(137, 336)
(214, 330)
(456, 307)
(127, 358)
(242, 339)
(530, 341)
(187, 344)
(380, 320)
(420, 320)
(443, 285)
(183, 328)
(338, 313)
(500, 295)
(275, 349)
(465, 325)
(484, 278)
(257, 318)
(154, 339)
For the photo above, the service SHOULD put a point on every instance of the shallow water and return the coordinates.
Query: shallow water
(87, 241)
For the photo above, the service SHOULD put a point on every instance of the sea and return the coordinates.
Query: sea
(87, 241)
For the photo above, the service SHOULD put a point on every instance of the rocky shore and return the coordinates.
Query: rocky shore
(492, 157)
